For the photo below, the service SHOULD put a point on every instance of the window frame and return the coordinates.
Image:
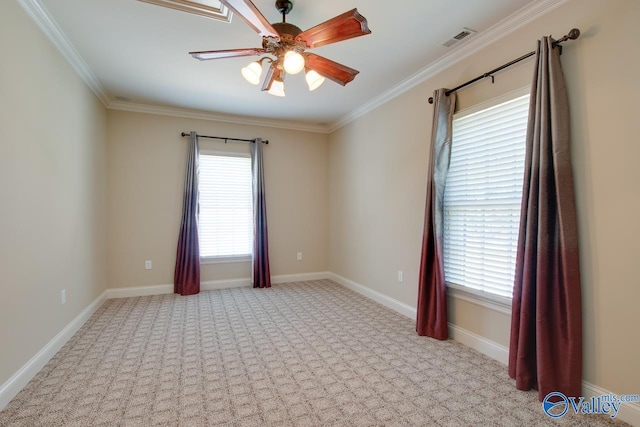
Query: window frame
(490, 300)
(222, 259)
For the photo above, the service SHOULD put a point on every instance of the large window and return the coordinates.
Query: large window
(226, 206)
(482, 197)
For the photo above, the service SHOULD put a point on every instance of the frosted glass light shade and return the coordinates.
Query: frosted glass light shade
(293, 62)
(252, 72)
(277, 88)
(314, 80)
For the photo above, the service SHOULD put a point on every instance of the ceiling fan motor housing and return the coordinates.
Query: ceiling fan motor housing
(284, 6)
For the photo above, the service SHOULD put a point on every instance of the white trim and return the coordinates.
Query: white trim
(225, 259)
(497, 100)
(527, 14)
(220, 153)
(300, 277)
(479, 343)
(139, 291)
(36, 10)
(495, 303)
(21, 378)
(203, 115)
(395, 305)
(211, 285)
(629, 412)
(463, 336)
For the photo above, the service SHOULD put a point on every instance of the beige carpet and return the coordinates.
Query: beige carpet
(300, 354)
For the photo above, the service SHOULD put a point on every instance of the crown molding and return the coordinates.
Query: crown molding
(527, 14)
(42, 18)
(520, 18)
(203, 115)
(36, 10)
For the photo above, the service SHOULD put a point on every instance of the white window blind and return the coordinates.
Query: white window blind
(225, 223)
(482, 197)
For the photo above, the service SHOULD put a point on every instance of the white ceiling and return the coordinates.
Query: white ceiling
(138, 51)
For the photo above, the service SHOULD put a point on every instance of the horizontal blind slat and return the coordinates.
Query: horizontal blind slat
(225, 223)
(482, 197)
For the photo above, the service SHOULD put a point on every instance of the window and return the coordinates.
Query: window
(225, 223)
(482, 197)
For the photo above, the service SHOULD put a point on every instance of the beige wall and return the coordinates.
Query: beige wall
(52, 191)
(352, 202)
(146, 170)
(378, 167)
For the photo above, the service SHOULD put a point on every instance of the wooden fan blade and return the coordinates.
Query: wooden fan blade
(273, 74)
(229, 53)
(338, 73)
(252, 16)
(342, 27)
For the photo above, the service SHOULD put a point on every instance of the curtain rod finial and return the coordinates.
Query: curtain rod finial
(574, 33)
(431, 100)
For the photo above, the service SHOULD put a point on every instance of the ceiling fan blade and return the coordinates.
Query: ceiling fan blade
(342, 27)
(272, 75)
(228, 53)
(338, 73)
(252, 16)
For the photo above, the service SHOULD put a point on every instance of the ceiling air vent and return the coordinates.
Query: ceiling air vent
(466, 32)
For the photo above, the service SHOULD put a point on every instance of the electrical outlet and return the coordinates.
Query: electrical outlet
(299, 257)
(400, 276)
(63, 296)
(147, 264)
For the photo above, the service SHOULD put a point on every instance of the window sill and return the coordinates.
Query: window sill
(225, 259)
(484, 299)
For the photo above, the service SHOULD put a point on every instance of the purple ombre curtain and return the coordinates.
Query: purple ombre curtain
(186, 276)
(432, 293)
(545, 351)
(260, 275)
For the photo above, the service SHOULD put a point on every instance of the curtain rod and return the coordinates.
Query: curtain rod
(224, 138)
(573, 34)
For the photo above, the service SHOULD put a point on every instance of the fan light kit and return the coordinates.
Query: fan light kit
(286, 45)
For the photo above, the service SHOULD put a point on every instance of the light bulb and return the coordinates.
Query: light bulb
(293, 62)
(314, 80)
(277, 88)
(252, 72)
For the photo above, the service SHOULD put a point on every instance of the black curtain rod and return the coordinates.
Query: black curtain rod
(223, 138)
(573, 34)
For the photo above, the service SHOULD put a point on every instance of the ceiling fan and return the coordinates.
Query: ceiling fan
(287, 43)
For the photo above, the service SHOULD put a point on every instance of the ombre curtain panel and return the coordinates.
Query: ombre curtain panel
(260, 274)
(186, 277)
(545, 351)
(431, 318)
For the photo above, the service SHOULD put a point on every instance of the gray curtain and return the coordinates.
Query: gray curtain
(186, 276)
(432, 292)
(260, 274)
(545, 350)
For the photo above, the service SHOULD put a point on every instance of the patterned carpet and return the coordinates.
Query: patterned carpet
(300, 354)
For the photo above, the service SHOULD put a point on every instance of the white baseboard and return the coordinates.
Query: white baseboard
(302, 277)
(211, 285)
(139, 291)
(387, 301)
(21, 378)
(479, 343)
(629, 412)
